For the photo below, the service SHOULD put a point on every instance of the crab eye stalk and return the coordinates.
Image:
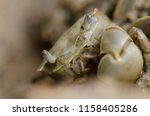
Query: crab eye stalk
(89, 21)
(49, 57)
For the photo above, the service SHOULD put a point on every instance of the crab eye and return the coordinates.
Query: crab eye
(49, 57)
(89, 22)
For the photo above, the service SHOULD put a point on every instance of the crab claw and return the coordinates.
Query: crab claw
(122, 60)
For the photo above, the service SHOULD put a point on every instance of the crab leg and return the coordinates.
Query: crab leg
(143, 43)
(139, 37)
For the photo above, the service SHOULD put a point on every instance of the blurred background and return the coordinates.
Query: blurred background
(27, 27)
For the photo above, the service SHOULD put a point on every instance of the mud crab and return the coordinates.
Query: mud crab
(94, 42)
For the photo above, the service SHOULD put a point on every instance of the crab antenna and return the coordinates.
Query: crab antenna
(49, 57)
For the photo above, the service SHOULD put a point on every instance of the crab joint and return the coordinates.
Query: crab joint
(49, 57)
